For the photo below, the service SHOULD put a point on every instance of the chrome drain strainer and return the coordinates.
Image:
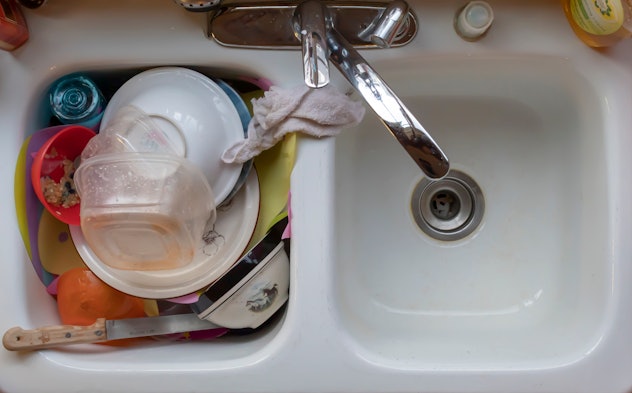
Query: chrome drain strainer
(450, 208)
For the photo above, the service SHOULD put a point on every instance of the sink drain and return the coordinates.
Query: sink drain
(450, 208)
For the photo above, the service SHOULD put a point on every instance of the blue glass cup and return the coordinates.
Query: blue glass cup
(76, 99)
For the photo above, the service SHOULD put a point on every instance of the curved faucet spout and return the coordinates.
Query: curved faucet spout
(310, 25)
(388, 107)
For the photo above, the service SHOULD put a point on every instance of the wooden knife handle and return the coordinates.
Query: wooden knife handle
(18, 339)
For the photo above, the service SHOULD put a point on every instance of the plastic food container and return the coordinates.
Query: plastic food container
(133, 131)
(143, 211)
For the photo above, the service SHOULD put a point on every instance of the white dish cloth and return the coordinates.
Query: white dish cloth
(315, 112)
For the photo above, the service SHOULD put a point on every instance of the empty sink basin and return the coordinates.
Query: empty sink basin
(505, 263)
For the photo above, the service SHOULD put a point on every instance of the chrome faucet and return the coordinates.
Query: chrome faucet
(328, 32)
(384, 29)
(314, 26)
(310, 23)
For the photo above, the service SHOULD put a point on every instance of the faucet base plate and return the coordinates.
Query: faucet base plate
(269, 25)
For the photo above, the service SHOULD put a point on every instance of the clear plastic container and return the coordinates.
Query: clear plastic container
(142, 211)
(133, 130)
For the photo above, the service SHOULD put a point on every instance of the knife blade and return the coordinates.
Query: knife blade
(18, 339)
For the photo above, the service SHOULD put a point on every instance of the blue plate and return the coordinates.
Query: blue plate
(244, 116)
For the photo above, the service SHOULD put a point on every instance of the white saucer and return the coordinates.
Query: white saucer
(194, 113)
(221, 248)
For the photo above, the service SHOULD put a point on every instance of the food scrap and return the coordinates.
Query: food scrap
(62, 193)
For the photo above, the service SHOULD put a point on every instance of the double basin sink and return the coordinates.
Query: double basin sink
(535, 297)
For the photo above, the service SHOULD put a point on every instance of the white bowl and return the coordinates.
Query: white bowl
(254, 288)
(192, 109)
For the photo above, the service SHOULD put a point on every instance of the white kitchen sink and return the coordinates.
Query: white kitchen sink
(535, 299)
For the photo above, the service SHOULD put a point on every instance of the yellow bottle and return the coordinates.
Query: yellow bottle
(600, 23)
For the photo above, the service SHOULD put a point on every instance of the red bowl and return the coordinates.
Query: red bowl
(48, 162)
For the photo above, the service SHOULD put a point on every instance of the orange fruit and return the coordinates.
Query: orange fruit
(82, 298)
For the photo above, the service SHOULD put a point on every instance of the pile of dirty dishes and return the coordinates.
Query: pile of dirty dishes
(151, 179)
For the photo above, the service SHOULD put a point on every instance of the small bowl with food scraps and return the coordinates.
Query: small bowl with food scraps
(53, 171)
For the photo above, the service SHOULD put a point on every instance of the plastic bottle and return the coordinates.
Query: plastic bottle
(13, 30)
(76, 99)
(600, 23)
(473, 20)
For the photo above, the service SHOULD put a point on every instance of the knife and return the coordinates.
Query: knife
(18, 339)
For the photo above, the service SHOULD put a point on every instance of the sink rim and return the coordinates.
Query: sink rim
(307, 350)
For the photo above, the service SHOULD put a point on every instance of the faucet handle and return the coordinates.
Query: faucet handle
(310, 26)
(384, 29)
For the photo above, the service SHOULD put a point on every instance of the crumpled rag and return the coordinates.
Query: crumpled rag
(315, 112)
